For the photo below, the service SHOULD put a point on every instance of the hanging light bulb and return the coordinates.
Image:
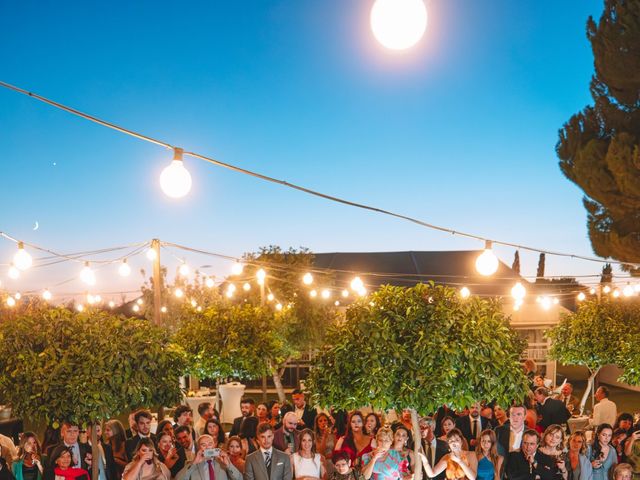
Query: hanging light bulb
(209, 282)
(112, 304)
(616, 293)
(175, 180)
(357, 284)
(178, 292)
(231, 288)
(246, 287)
(326, 293)
(87, 275)
(307, 279)
(11, 302)
(237, 268)
(345, 293)
(628, 290)
(46, 295)
(487, 263)
(465, 292)
(546, 303)
(152, 254)
(194, 304)
(184, 269)
(90, 299)
(124, 269)
(278, 306)
(198, 308)
(518, 291)
(163, 309)
(17, 295)
(362, 292)
(556, 301)
(13, 272)
(22, 260)
(140, 301)
(581, 296)
(313, 294)
(136, 308)
(606, 289)
(80, 307)
(270, 297)
(592, 291)
(261, 275)
(337, 303)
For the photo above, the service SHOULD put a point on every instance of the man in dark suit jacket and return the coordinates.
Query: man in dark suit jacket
(143, 424)
(433, 448)
(70, 433)
(471, 425)
(247, 409)
(287, 438)
(306, 414)
(509, 435)
(529, 464)
(552, 411)
(267, 463)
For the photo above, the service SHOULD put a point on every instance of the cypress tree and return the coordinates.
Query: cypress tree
(599, 147)
(516, 263)
(540, 272)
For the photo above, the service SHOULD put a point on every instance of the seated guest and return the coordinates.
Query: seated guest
(371, 424)
(471, 425)
(247, 409)
(114, 450)
(622, 472)
(325, 437)
(28, 464)
(578, 465)
(403, 443)
(355, 442)
(79, 451)
(183, 417)
(165, 426)
(458, 464)
(206, 412)
(446, 425)
(262, 412)
(145, 464)
(236, 454)
(248, 433)
(61, 466)
(185, 440)
(342, 468)
(274, 413)
(531, 464)
(601, 453)
(306, 463)
(434, 448)
(204, 467)
(143, 427)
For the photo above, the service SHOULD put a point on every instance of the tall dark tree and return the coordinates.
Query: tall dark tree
(540, 272)
(607, 274)
(516, 263)
(599, 147)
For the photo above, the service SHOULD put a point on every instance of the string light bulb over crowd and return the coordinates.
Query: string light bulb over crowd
(486, 262)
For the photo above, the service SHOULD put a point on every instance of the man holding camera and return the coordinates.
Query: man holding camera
(209, 463)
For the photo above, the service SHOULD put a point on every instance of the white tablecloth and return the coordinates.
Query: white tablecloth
(578, 423)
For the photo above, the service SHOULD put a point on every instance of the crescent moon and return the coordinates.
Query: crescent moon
(36, 226)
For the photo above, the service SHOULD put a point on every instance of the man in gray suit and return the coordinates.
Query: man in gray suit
(267, 463)
(206, 467)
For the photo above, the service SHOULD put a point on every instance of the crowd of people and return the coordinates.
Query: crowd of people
(528, 441)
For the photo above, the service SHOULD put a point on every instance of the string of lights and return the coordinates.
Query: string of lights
(176, 182)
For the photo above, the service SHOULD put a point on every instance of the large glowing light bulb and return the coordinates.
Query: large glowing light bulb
(628, 291)
(175, 180)
(398, 24)
(22, 260)
(13, 272)
(152, 254)
(261, 275)
(357, 284)
(518, 291)
(87, 275)
(178, 293)
(46, 295)
(246, 287)
(237, 268)
(11, 302)
(487, 263)
(581, 296)
(124, 269)
(465, 292)
(209, 282)
(326, 293)
(307, 279)
(184, 269)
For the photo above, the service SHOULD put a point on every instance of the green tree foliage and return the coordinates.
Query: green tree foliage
(419, 348)
(600, 333)
(229, 340)
(599, 147)
(60, 365)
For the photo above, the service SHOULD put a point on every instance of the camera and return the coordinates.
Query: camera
(211, 452)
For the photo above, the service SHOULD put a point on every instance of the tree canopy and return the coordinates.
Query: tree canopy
(62, 365)
(419, 348)
(599, 147)
(599, 333)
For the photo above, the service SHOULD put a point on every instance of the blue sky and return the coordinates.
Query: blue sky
(459, 131)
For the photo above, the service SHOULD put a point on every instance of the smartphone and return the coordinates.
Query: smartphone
(211, 452)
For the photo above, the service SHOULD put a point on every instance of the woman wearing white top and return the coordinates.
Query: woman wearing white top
(306, 463)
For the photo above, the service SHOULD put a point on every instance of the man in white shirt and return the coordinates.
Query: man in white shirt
(605, 411)
(434, 448)
(509, 435)
(267, 463)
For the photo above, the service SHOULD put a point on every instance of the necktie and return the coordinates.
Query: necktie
(267, 460)
(212, 474)
(473, 429)
(430, 454)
